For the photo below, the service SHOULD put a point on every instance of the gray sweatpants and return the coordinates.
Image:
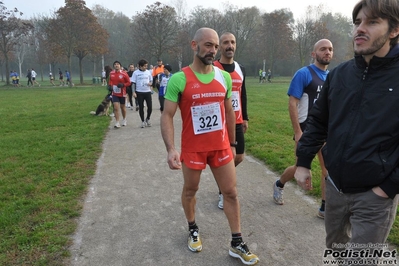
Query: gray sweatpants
(358, 218)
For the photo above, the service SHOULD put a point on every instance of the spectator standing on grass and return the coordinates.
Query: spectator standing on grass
(260, 75)
(303, 92)
(356, 115)
(142, 82)
(119, 81)
(163, 82)
(226, 62)
(29, 76)
(203, 92)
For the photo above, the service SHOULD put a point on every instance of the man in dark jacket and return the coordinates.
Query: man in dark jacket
(29, 76)
(129, 88)
(357, 115)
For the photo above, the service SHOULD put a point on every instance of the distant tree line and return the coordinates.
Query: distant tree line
(84, 39)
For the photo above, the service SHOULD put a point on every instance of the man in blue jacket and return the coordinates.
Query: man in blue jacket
(357, 115)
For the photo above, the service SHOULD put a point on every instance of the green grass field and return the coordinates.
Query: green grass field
(270, 133)
(49, 148)
(50, 145)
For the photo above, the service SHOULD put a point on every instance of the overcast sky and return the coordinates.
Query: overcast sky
(130, 7)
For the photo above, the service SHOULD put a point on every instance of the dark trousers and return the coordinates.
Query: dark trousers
(130, 94)
(161, 102)
(141, 97)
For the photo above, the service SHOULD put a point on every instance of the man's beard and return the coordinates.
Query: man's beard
(204, 59)
(321, 61)
(375, 46)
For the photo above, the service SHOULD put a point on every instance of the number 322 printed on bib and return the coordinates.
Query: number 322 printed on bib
(206, 118)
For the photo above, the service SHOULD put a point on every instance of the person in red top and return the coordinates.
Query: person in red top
(118, 81)
(226, 62)
(203, 94)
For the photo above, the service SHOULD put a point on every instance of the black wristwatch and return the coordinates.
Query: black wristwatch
(233, 144)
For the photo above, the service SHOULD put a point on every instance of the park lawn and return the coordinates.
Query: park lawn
(50, 146)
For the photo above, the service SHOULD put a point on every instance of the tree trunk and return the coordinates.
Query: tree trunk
(70, 71)
(2, 72)
(7, 70)
(41, 72)
(81, 70)
(20, 71)
(94, 68)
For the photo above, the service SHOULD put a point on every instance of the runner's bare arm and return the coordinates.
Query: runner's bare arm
(167, 131)
(293, 111)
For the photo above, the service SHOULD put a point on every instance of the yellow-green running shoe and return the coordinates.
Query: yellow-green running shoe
(194, 241)
(242, 252)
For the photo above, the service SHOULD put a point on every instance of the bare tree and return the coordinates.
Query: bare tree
(120, 35)
(182, 51)
(276, 23)
(308, 30)
(75, 31)
(44, 49)
(11, 29)
(243, 23)
(207, 17)
(155, 29)
(180, 7)
(94, 43)
(339, 28)
(20, 51)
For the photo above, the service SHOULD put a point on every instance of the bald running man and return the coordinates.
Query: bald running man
(303, 92)
(203, 94)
